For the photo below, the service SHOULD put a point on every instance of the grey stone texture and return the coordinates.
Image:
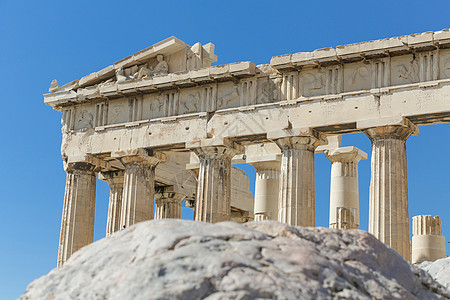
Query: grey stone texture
(439, 270)
(178, 259)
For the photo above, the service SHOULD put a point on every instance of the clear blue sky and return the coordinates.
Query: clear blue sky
(65, 40)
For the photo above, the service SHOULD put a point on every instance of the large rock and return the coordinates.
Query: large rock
(175, 259)
(439, 270)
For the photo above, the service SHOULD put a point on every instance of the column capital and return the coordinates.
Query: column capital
(112, 177)
(297, 138)
(215, 147)
(298, 142)
(266, 165)
(82, 166)
(348, 154)
(400, 131)
(215, 151)
(140, 157)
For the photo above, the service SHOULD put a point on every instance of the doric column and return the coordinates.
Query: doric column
(115, 182)
(296, 204)
(168, 204)
(138, 186)
(77, 223)
(344, 192)
(266, 188)
(428, 244)
(213, 200)
(388, 200)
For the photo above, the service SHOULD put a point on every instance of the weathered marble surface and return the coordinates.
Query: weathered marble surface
(175, 259)
(439, 270)
(428, 243)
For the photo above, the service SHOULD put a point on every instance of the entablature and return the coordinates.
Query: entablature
(242, 102)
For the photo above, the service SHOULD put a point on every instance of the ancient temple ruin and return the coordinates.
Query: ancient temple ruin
(164, 125)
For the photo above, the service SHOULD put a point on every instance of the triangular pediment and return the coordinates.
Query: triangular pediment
(168, 56)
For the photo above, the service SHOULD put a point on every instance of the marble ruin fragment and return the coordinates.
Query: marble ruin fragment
(428, 244)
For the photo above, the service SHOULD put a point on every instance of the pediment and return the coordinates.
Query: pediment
(171, 55)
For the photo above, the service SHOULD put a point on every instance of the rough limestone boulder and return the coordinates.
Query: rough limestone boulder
(439, 270)
(175, 259)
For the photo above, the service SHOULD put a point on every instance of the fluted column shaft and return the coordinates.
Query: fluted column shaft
(168, 205)
(388, 199)
(213, 200)
(344, 191)
(138, 190)
(115, 182)
(77, 223)
(296, 204)
(266, 190)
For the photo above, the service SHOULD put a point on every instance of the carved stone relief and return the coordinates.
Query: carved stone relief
(194, 57)
(117, 112)
(228, 96)
(444, 66)
(229, 99)
(143, 70)
(447, 68)
(153, 107)
(267, 90)
(311, 83)
(357, 76)
(84, 119)
(405, 69)
(189, 101)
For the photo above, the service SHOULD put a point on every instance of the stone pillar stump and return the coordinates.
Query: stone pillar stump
(428, 244)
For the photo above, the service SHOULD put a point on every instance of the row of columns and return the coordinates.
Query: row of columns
(132, 193)
(284, 190)
(294, 201)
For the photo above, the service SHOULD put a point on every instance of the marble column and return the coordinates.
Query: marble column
(296, 204)
(115, 182)
(267, 186)
(388, 199)
(138, 189)
(77, 223)
(213, 200)
(344, 192)
(168, 205)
